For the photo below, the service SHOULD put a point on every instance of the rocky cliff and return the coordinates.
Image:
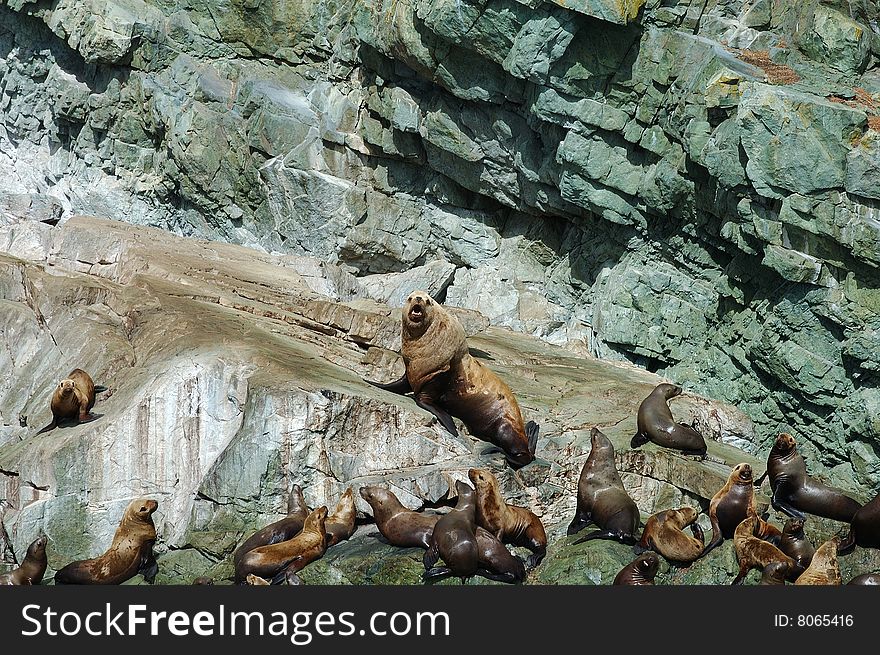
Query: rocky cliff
(689, 185)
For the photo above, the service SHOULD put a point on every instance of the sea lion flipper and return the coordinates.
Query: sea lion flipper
(532, 430)
(698, 532)
(429, 559)
(760, 480)
(510, 578)
(598, 534)
(534, 559)
(848, 543)
(401, 386)
(436, 572)
(578, 523)
(638, 439)
(444, 418)
(784, 507)
(50, 426)
(149, 567)
(100, 388)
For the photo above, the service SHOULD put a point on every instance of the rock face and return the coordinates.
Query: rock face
(690, 186)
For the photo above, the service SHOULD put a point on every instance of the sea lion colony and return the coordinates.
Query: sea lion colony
(470, 538)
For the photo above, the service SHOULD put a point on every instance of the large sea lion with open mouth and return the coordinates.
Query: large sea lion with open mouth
(795, 492)
(32, 568)
(602, 498)
(447, 381)
(73, 398)
(130, 553)
(655, 423)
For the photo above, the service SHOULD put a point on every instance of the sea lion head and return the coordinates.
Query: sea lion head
(295, 502)
(648, 564)
(784, 444)
(481, 478)
(37, 549)
(142, 509)
(687, 513)
(418, 313)
(742, 473)
(203, 580)
(599, 440)
(315, 520)
(793, 526)
(66, 386)
(668, 390)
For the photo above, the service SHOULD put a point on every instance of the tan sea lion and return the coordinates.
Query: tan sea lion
(641, 571)
(511, 524)
(256, 581)
(775, 573)
(74, 397)
(732, 504)
(32, 568)
(340, 522)
(753, 552)
(655, 423)
(602, 498)
(274, 561)
(864, 528)
(281, 530)
(664, 533)
(447, 381)
(795, 492)
(868, 579)
(824, 568)
(795, 544)
(130, 553)
(454, 539)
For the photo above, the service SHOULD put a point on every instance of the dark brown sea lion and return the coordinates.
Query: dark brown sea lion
(454, 539)
(32, 568)
(130, 553)
(495, 561)
(641, 571)
(399, 525)
(775, 573)
(275, 561)
(447, 381)
(868, 579)
(864, 528)
(732, 504)
(752, 552)
(795, 544)
(340, 522)
(601, 497)
(74, 397)
(511, 524)
(824, 568)
(655, 423)
(664, 533)
(202, 580)
(795, 492)
(282, 530)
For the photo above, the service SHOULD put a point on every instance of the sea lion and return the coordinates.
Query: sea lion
(869, 579)
(601, 497)
(202, 580)
(795, 492)
(340, 522)
(454, 539)
(641, 571)
(282, 530)
(495, 561)
(32, 568)
(447, 381)
(753, 552)
(399, 525)
(795, 544)
(864, 528)
(130, 553)
(664, 533)
(274, 561)
(74, 397)
(775, 573)
(655, 423)
(256, 581)
(824, 568)
(732, 504)
(511, 524)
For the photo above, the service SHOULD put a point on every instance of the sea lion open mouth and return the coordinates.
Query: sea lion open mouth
(417, 313)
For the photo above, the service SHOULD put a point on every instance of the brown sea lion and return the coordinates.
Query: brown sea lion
(130, 553)
(32, 568)
(495, 561)
(864, 528)
(664, 533)
(511, 524)
(274, 561)
(74, 397)
(454, 539)
(399, 525)
(824, 568)
(202, 580)
(775, 573)
(868, 579)
(282, 530)
(447, 381)
(641, 571)
(733, 503)
(753, 552)
(602, 498)
(795, 492)
(795, 544)
(655, 423)
(340, 522)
